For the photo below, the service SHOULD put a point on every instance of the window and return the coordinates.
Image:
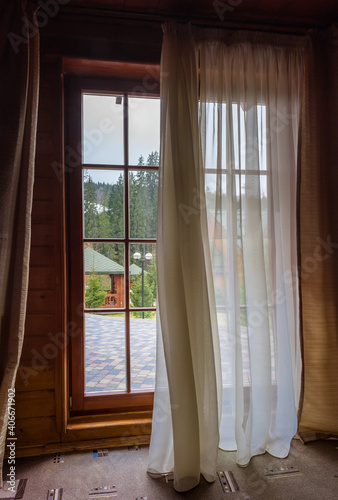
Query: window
(231, 174)
(112, 209)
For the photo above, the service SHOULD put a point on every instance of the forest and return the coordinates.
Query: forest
(104, 217)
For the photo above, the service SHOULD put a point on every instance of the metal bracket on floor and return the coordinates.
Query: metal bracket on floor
(103, 492)
(55, 494)
(278, 472)
(228, 481)
(100, 453)
(169, 478)
(134, 447)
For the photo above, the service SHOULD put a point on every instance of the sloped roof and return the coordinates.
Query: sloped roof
(134, 270)
(100, 264)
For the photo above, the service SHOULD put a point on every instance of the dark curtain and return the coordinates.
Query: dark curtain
(318, 232)
(19, 83)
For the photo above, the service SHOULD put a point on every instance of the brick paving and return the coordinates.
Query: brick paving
(105, 354)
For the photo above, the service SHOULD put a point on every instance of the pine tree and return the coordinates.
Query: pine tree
(138, 223)
(153, 159)
(94, 295)
(104, 211)
(90, 207)
(136, 293)
(116, 209)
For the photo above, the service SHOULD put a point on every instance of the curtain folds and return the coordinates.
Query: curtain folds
(228, 366)
(19, 81)
(185, 309)
(318, 413)
(250, 108)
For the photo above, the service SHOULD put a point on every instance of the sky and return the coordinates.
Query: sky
(103, 134)
(103, 131)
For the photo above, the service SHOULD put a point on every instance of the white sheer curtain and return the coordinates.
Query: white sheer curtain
(249, 114)
(185, 422)
(232, 164)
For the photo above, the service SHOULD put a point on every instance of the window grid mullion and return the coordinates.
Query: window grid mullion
(126, 237)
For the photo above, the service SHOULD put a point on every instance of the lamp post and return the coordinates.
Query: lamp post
(147, 256)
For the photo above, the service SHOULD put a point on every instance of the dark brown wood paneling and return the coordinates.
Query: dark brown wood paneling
(41, 351)
(280, 11)
(40, 302)
(43, 212)
(39, 324)
(35, 403)
(36, 431)
(44, 143)
(44, 166)
(43, 235)
(42, 257)
(43, 188)
(42, 279)
(45, 120)
(31, 378)
(45, 97)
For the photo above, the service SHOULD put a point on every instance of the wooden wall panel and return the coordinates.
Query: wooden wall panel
(40, 351)
(36, 431)
(42, 256)
(40, 301)
(45, 143)
(45, 279)
(35, 403)
(43, 166)
(44, 188)
(45, 120)
(39, 324)
(34, 378)
(42, 235)
(38, 384)
(43, 212)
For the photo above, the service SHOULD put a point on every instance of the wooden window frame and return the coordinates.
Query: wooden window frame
(74, 88)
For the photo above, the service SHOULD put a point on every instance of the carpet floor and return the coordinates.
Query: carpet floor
(309, 473)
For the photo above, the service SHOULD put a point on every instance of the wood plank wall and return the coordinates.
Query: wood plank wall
(42, 422)
(41, 387)
(38, 387)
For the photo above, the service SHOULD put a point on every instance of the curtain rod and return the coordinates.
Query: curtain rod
(196, 21)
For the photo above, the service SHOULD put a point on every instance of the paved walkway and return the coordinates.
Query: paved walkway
(105, 354)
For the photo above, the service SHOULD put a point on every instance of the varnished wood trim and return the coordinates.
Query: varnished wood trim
(31, 451)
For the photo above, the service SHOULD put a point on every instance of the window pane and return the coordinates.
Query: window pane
(103, 199)
(143, 191)
(102, 129)
(105, 353)
(144, 130)
(217, 218)
(104, 275)
(143, 277)
(143, 351)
